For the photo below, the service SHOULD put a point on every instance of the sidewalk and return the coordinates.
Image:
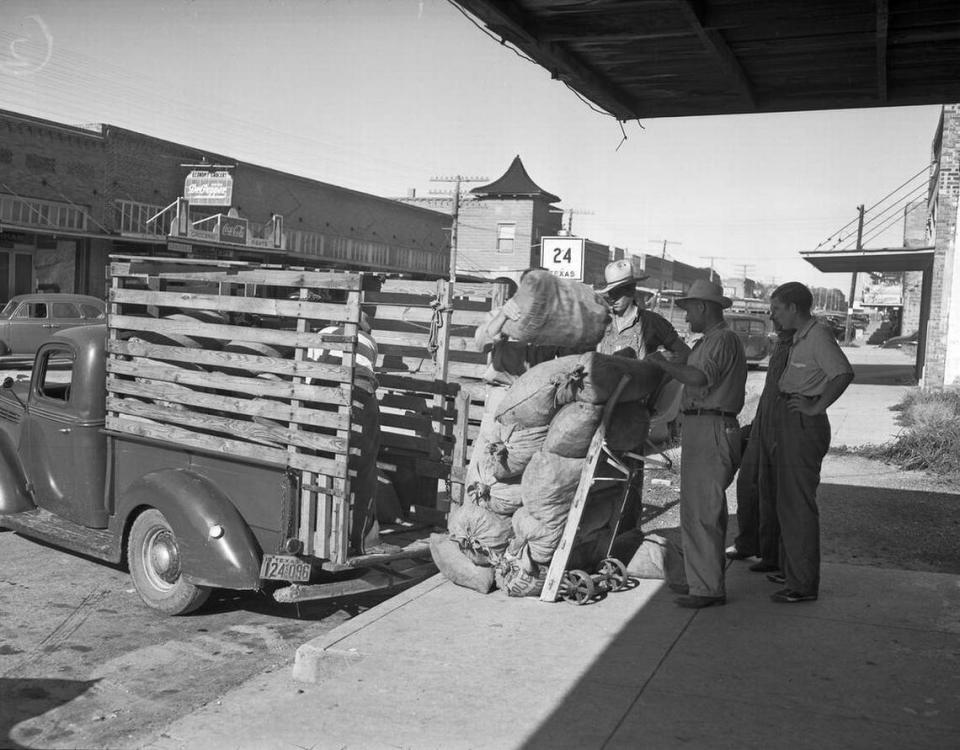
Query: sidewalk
(873, 663)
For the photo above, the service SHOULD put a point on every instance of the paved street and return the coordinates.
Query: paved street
(83, 663)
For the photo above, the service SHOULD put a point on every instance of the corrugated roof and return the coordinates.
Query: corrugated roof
(515, 183)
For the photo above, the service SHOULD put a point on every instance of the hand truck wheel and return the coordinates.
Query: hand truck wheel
(578, 587)
(614, 573)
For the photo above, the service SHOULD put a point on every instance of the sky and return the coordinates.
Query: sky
(386, 95)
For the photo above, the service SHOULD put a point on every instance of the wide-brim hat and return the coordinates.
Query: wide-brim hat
(707, 291)
(619, 273)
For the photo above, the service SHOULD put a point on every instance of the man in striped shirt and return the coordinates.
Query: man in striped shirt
(365, 428)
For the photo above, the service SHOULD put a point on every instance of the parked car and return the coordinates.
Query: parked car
(755, 332)
(28, 320)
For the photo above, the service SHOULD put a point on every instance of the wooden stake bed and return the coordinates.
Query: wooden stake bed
(213, 355)
(217, 356)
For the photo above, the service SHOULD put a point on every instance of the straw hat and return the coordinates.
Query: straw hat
(707, 291)
(619, 273)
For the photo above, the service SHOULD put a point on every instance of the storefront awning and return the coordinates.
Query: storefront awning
(880, 260)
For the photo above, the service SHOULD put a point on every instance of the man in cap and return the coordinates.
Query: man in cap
(634, 330)
(816, 375)
(714, 378)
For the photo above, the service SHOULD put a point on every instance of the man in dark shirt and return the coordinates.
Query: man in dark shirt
(634, 330)
(759, 531)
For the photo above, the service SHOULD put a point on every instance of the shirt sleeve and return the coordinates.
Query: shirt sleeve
(717, 356)
(661, 332)
(828, 354)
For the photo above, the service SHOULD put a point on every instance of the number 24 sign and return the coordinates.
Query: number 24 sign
(562, 256)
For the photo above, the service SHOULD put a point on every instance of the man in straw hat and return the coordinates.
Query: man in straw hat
(714, 378)
(634, 330)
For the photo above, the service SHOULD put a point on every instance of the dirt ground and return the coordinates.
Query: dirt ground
(871, 513)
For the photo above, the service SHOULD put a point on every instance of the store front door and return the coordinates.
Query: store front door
(16, 273)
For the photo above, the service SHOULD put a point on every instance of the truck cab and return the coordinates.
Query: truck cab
(67, 480)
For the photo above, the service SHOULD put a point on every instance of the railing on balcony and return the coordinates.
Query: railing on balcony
(133, 218)
(40, 213)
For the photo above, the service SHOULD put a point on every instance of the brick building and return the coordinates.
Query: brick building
(70, 196)
(671, 275)
(500, 226)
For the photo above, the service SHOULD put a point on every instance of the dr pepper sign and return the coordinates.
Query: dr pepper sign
(562, 256)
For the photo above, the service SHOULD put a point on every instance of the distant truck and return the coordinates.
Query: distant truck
(202, 460)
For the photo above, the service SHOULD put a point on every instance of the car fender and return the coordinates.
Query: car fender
(14, 495)
(193, 506)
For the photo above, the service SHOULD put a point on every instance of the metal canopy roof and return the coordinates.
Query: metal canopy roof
(880, 260)
(666, 58)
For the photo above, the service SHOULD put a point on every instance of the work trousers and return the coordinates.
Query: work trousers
(363, 465)
(757, 524)
(710, 453)
(800, 443)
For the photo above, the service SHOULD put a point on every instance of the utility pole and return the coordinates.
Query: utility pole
(457, 180)
(848, 328)
(711, 258)
(445, 291)
(569, 213)
(663, 256)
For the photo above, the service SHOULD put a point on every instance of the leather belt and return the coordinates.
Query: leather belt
(708, 413)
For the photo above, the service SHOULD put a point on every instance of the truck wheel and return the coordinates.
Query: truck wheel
(153, 556)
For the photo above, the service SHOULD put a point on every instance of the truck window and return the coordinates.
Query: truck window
(55, 375)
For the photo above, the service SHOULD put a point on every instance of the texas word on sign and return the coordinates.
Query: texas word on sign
(562, 256)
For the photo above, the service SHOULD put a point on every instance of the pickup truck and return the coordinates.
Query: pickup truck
(185, 520)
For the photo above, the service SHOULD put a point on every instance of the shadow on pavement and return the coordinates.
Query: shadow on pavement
(884, 374)
(26, 698)
(895, 528)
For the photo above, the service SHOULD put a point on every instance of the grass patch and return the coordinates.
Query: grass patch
(931, 435)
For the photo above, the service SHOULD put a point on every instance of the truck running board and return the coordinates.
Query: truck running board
(43, 525)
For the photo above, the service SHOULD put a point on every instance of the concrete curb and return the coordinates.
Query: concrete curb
(308, 665)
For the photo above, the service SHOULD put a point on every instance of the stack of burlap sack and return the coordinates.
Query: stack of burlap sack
(526, 465)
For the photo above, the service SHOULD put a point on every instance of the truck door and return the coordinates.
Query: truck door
(63, 450)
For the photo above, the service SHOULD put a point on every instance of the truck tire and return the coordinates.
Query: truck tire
(153, 556)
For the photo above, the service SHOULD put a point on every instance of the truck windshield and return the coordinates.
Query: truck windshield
(8, 309)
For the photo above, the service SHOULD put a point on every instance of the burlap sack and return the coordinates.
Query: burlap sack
(509, 456)
(456, 567)
(541, 537)
(572, 429)
(628, 427)
(551, 311)
(503, 498)
(480, 533)
(519, 575)
(602, 373)
(549, 484)
(537, 394)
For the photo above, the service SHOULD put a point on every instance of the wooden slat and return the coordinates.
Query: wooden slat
(223, 446)
(258, 432)
(252, 408)
(231, 360)
(164, 269)
(222, 303)
(411, 341)
(254, 386)
(272, 336)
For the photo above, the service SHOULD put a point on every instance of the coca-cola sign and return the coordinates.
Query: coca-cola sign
(203, 188)
(233, 230)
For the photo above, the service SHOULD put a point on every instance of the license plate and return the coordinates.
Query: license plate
(284, 568)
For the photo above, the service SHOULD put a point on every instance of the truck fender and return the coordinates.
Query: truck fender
(14, 495)
(194, 507)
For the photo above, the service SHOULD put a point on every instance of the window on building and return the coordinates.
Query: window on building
(506, 233)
